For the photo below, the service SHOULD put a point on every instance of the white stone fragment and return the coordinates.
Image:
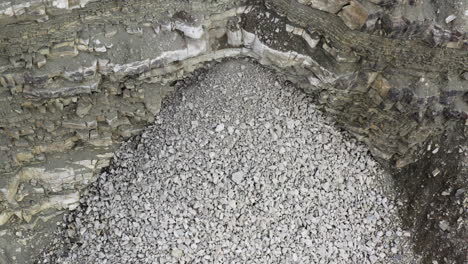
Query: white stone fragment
(234, 38)
(219, 128)
(237, 177)
(444, 225)
(177, 253)
(191, 31)
(101, 49)
(450, 18)
(60, 3)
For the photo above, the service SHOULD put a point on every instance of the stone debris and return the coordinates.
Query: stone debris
(124, 64)
(219, 128)
(238, 177)
(102, 97)
(444, 225)
(325, 5)
(450, 19)
(354, 15)
(263, 177)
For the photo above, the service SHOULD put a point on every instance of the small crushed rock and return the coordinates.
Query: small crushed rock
(239, 170)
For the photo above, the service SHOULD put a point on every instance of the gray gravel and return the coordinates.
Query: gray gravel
(241, 169)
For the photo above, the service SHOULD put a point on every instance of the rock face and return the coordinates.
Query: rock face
(240, 166)
(78, 77)
(324, 5)
(354, 15)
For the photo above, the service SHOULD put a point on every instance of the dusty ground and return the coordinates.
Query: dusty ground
(433, 195)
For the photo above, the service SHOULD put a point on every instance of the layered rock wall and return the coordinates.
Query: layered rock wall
(78, 77)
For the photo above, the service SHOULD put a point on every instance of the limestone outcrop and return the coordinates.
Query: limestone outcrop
(78, 77)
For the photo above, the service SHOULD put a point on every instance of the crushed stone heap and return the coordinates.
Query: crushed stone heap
(240, 168)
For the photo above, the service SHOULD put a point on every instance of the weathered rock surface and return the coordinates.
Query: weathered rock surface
(79, 76)
(354, 15)
(239, 166)
(324, 5)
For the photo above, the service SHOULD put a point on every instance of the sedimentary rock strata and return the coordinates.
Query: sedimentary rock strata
(77, 77)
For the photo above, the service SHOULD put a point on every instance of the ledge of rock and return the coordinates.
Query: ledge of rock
(79, 77)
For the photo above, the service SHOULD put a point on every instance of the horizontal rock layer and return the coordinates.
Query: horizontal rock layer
(79, 78)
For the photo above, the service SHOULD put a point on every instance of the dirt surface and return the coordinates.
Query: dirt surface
(26, 241)
(434, 198)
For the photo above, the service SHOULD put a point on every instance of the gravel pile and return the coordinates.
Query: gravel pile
(241, 168)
